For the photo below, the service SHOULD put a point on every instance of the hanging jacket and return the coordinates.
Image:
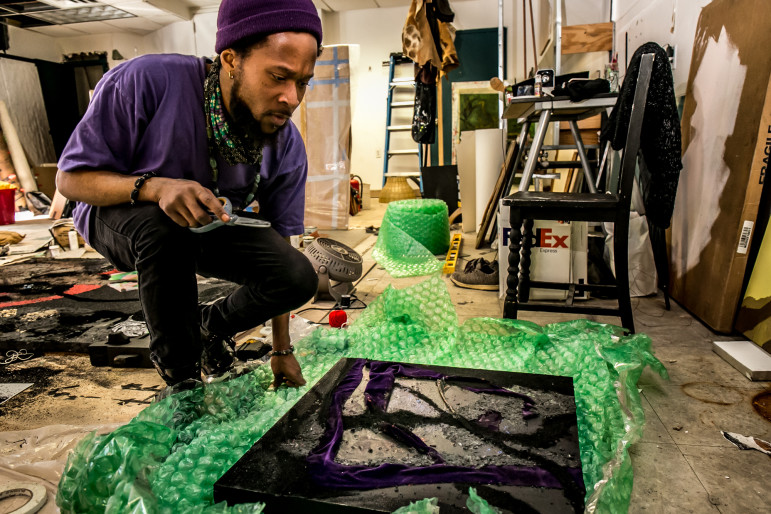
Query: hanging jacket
(660, 140)
(426, 38)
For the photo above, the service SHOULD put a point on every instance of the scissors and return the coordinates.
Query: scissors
(234, 219)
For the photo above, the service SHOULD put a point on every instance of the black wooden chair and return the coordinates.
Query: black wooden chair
(526, 206)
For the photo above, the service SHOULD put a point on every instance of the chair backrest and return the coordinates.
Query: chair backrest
(632, 147)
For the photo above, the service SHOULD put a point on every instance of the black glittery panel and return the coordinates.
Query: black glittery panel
(512, 436)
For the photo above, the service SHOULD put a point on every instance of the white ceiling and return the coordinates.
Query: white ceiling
(350, 5)
(150, 15)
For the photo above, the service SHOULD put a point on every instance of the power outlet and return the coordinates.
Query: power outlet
(671, 53)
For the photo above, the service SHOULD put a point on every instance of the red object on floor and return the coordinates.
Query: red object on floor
(74, 290)
(337, 318)
(82, 288)
(7, 206)
(28, 302)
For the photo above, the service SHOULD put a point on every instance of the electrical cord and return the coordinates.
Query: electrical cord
(337, 306)
(13, 356)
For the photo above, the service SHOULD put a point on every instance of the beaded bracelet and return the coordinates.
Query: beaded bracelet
(138, 185)
(281, 353)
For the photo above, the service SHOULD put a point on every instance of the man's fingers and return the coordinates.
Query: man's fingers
(200, 216)
(191, 218)
(213, 204)
(291, 382)
(295, 380)
(178, 219)
(287, 370)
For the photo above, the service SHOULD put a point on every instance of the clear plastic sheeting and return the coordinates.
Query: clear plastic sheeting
(412, 233)
(168, 458)
(325, 124)
(37, 456)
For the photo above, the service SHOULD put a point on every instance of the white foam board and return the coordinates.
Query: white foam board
(746, 356)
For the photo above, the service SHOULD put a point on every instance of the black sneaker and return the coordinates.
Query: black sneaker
(185, 385)
(218, 355)
(478, 274)
(177, 379)
(173, 376)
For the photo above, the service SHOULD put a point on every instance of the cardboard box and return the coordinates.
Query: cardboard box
(726, 126)
(45, 174)
(559, 254)
(326, 128)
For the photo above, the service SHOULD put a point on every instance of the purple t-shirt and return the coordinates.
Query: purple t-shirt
(147, 115)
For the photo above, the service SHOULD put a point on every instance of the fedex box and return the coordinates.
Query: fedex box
(558, 254)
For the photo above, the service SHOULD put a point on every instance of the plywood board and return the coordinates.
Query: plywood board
(593, 37)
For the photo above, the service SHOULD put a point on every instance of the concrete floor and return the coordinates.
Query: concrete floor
(682, 463)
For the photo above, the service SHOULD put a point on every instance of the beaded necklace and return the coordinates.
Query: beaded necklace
(233, 147)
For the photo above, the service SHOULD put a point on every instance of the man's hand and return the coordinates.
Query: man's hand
(186, 202)
(286, 369)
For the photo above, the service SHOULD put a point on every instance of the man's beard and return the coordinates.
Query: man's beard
(244, 122)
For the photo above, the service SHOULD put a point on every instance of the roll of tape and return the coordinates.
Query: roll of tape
(37, 494)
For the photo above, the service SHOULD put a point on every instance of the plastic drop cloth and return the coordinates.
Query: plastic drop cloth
(326, 129)
(168, 458)
(38, 456)
(412, 233)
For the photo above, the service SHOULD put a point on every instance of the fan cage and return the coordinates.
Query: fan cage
(342, 263)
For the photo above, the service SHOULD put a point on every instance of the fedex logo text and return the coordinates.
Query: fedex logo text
(543, 238)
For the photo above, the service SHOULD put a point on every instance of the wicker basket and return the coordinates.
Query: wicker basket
(396, 188)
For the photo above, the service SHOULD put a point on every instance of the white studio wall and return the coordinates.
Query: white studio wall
(33, 45)
(205, 32)
(664, 22)
(378, 33)
(369, 82)
(176, 38)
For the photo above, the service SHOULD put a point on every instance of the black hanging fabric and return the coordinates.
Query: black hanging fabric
(660, 141)
(424, 115)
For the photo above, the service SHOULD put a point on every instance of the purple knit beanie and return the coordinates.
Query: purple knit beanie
(240, 19)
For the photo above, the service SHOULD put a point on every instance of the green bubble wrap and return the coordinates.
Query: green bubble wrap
(413, 232)
(167, 459)
(425, 506)
(477, 504)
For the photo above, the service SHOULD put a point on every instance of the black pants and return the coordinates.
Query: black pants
(274, 277)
